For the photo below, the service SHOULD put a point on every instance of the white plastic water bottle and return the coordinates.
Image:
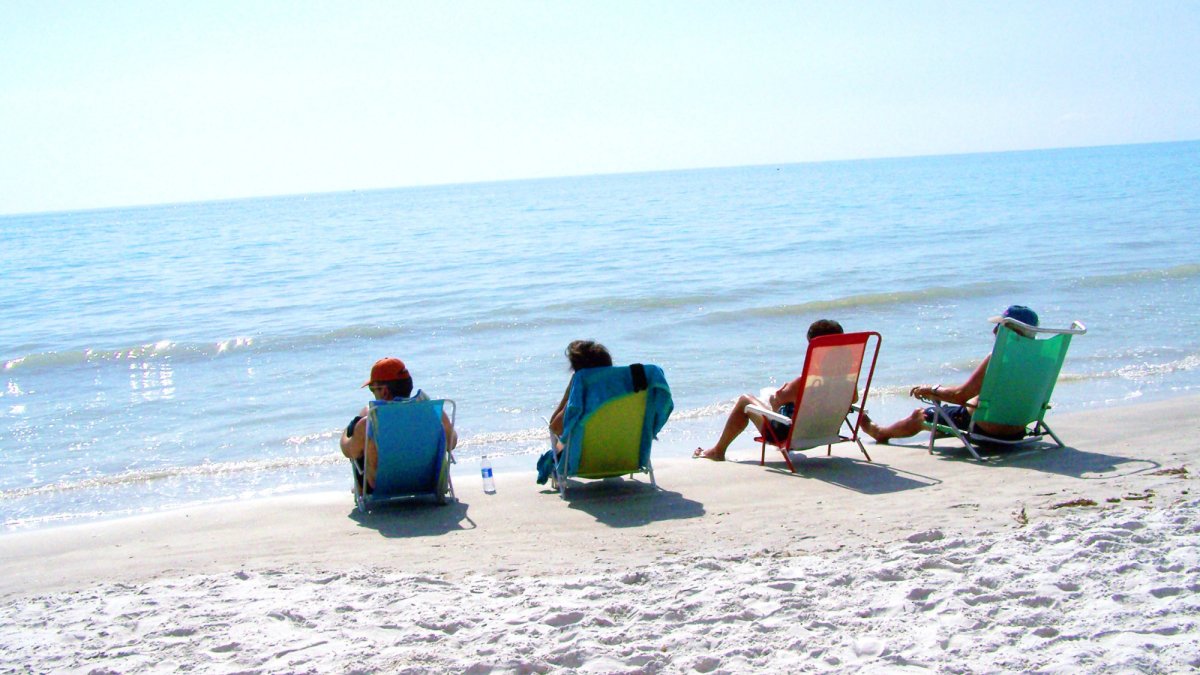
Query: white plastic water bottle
(489, 483)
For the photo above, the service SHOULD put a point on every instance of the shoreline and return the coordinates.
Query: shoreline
(827, 487)
(690, 490)
(676, 441)
(713, 532)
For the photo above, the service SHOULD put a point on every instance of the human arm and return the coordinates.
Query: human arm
(788, 393)
(556, 420)
(353, 445)
(960, 394)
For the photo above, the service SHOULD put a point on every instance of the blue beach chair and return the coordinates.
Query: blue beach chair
(411, 445)
(612, 416)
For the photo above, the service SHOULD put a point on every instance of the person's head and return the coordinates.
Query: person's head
(390, 379)
(587, 354)
(824, 327)
(1017, 313)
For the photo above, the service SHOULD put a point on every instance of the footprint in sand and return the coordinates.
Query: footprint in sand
(926, 537)
(564, 619)
(869, 648)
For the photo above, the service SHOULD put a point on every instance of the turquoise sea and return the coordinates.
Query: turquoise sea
(160, 356)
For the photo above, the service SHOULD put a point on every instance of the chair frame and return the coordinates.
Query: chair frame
(852, 428)
(942, 426)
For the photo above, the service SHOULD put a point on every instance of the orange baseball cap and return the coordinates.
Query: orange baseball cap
(387, 370)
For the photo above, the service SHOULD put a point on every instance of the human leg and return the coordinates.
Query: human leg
(915, 423)
(902, 428)
(735, 424)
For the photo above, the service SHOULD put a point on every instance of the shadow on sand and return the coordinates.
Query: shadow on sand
(869, 478)
(1047, 457)
(625, 502)
(415, 518)
(1071, 461)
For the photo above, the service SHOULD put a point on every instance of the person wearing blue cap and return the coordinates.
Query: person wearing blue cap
(957, 402)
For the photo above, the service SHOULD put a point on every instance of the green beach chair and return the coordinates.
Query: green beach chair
(410, 442)
(1016, 388)
(612, 416)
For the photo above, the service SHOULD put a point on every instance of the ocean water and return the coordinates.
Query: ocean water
(160, 356)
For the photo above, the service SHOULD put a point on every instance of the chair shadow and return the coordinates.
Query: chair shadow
(626, 502)
(415, 518)
(869, 478)
(1048, 457)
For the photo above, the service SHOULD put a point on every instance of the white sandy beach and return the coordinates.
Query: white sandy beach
(913, 563)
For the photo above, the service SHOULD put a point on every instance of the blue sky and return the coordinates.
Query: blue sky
(122, 103)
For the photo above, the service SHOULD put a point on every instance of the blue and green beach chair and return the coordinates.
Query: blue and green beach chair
(613, 414)
(1016, 389)
(411, 445)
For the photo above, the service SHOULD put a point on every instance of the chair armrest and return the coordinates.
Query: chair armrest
(1076, 328)
(769, 414)
(929, 400)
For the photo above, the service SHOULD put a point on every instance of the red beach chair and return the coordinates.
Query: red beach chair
(826, 411)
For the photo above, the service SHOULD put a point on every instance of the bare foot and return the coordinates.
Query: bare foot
(711, 453)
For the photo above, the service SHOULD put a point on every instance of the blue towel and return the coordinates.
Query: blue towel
(545, 467)
(591, 387)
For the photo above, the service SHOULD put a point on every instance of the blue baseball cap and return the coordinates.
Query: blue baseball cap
(1018, 313)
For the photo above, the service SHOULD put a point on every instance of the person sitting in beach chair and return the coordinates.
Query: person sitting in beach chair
(581, 354)
(783, 401)
(389, 381)
(607, 420)
(953, 410)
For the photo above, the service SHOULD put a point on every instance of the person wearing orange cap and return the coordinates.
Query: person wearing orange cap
(957, 403)
(389, 381)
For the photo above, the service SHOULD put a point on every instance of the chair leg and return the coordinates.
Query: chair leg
(445, 485)
(1052, 434)
(966, 441)
(787, 458)
(970, 447)
(360, 484)
(942, 418)
(864, 449)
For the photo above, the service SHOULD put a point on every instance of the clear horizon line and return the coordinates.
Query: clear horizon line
(324, 193)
